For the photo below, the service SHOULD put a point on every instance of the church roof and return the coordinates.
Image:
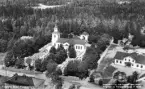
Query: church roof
(71, 41)
(85, 33)
(138, 57)
(56, 32)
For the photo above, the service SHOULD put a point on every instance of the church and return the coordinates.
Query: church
(80, 43)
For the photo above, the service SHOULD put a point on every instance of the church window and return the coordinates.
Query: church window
(120, 62)
(76, 47)
(83, 37)
(141, 66)
(116, 61)
(136, 65)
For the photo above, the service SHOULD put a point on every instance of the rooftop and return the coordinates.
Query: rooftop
(138, 57)
(85, 33)
(71, 41)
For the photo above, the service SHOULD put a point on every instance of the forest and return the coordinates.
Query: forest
(101, 19)
(24, 30)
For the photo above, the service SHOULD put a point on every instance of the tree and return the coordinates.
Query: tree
(20, 63)
(51, 68)
(72, 68)
(135, 77)
(100, 82)
(38, 65)
(23, 48)
(3, 45)
(53, 74)
(83, 70)
(72, 52)
(44, 65)
(103, 41)
(91, 58)
(91, 78)
(9, 59)
(60, 48)
(61, 56)
(52, 50)
(28, 61)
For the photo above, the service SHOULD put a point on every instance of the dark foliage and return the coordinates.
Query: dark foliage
(9, 59)
(38, 65)
(61, 55)
(72, 52)
(20, 63)
(53, 50)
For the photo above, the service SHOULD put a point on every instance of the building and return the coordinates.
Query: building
(134, 59)
(24, 82)
(126, 41)
(80, 43)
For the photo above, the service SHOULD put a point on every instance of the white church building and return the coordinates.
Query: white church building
(80, 43)
(136, 60)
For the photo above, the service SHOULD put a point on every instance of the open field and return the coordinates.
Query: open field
(128, 70)
(108, 57)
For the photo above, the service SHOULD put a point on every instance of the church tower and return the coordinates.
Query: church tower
(84, 36)
(55, 35)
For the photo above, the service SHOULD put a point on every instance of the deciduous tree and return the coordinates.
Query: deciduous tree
(72, 52)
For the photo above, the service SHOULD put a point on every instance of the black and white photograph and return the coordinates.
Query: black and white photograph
(72, 44)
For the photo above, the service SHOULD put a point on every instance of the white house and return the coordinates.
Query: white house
(136, 60)
(80, 43)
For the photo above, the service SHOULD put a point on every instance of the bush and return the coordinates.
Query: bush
(72, 86)
(9, 59)
(58, 71)
(52, 50)
(38, 65)
(91, 78)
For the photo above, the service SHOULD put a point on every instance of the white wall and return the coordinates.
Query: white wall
(84, 37)
(129, 59)
(55, 37)
(119, 62)
(66, 46)
(79, 47)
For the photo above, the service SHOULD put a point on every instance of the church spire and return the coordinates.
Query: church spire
(55, 28)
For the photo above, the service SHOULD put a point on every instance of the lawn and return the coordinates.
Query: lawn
(109, 56)
(21, 71)
(128, 70)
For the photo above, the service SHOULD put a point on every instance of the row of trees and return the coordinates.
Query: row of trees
(81, 68)
(58, 56)
(123, 79)
(71, 19)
